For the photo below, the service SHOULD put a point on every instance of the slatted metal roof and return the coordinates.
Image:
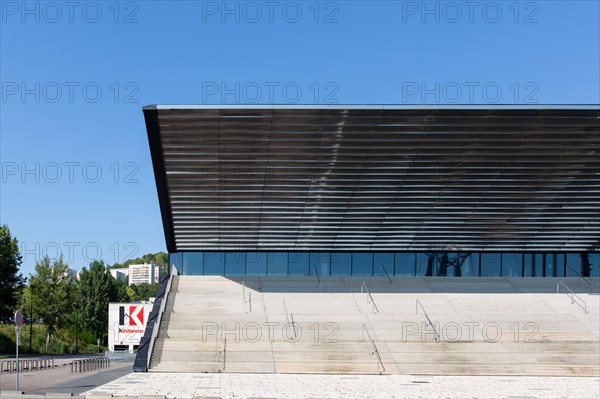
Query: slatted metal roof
(419, 178)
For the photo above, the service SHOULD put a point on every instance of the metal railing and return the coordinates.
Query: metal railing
(289, 316)
(374, 350)
(85, 365)
(317, 274)
(249, 301)
(224, 353)
(580, 276)
(417, 305)
(574, 297)
(386, 273)
(244, 295)
(10, 366)
(363, 288)
(144, 353)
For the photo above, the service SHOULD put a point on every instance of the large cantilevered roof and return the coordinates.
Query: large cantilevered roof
(352, 177)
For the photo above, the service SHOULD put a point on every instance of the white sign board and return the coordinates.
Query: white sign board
(127, 324)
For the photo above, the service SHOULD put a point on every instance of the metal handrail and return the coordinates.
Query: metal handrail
(386, 273)
(224, 353)
(317, 274)
(144, 353)
(573, 296)
(369, 296)
(287, 318)
(294, 325)
(418, 303)
(244, 295)
(581, 276)
(374, 350)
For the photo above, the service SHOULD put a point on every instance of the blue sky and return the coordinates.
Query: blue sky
(76, 170)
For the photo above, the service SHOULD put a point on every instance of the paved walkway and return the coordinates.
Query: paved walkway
(188, 385)
(60, 379)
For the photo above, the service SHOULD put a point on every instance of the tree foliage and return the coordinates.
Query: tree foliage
(10, 278)
(96, 289)
(52, 293)
(159, 258)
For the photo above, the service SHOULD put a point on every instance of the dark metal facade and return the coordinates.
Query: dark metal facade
(377, 178)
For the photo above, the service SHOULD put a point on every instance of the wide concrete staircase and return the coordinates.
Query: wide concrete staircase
(371, 325)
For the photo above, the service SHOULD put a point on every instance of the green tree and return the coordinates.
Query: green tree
(53, 289)
(97, 289)
(11, 280)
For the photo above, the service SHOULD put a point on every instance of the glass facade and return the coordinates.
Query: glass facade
(450, 264)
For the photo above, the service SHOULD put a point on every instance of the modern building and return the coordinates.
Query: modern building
(368, 190)
(282, 222)
(137, 274)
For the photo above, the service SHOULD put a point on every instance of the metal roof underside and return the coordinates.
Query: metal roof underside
(377, 178)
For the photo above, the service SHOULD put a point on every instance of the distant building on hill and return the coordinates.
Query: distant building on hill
(137, 274)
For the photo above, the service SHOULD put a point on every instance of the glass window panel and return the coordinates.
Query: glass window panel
(512, 265)
(193, 264)
(176, 258)
(235, 263)
(405, 264)
(528, 263)
(550, 263)
(573, 264)
(321, 261)
(383, 259)
(277, 264)
(341, 263)
(456, 265)
(538, 265)
(560, 265)
(362, 264)
(423, 260)
(595, 265)
(490, 264)
(214, 264)
(298, 262)
(256, 263)
(467, 269)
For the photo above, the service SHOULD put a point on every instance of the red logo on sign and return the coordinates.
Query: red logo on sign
(136, 315)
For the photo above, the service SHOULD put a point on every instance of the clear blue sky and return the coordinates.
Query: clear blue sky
(55, 58)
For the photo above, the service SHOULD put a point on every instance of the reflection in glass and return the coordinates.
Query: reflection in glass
(405, 264)
(573, 264)
(594, 265)
(560, 265)
(422, 262)
(383, 259)
(490, 264)
(256, 263)
(176, 259)
(538, 265)
(512, 265)
(362, 264)
(321, 261)
(298, 263)
(528, 265)
(277, 264)
(214, 264)
(341, 263)
(235, 263)
(193, 263)
(550, 263)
